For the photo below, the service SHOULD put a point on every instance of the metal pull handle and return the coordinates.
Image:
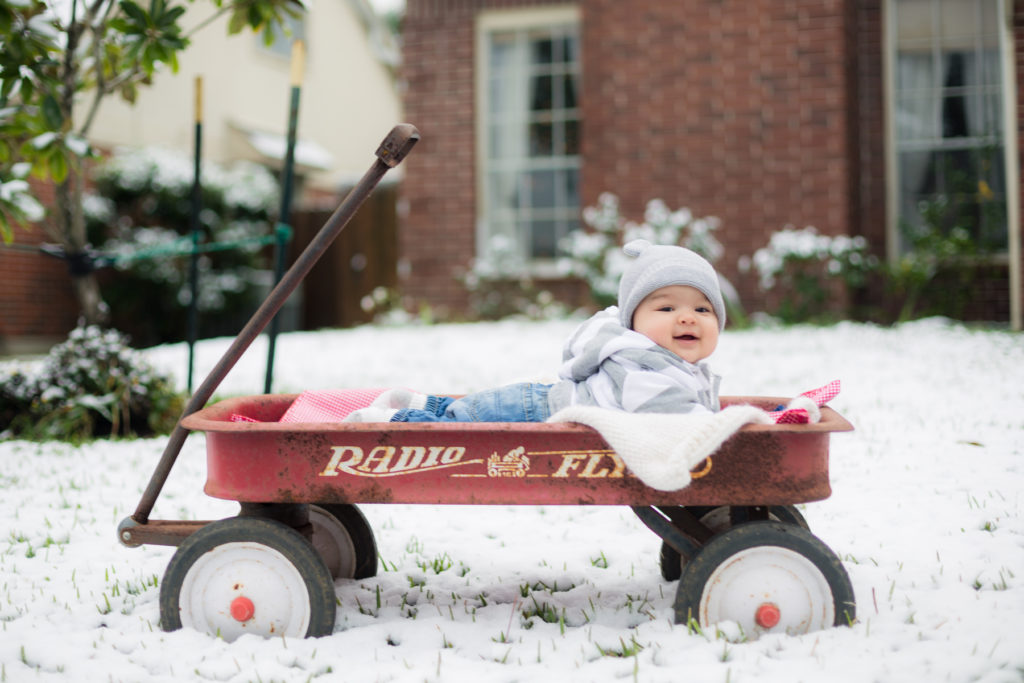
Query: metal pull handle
(392, 151)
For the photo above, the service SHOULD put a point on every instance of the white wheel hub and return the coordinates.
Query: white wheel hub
(244, 587)
(768, 589)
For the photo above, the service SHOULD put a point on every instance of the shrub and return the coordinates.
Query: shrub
(938, 248)
(802, 265)
(500, 286)
(90, 385)
(595, 255)
(142, 219)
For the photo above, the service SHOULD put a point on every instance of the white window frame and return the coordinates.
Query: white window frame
(488, 22)
(1010, 155)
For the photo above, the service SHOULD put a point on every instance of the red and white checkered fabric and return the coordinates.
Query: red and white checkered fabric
(328, 405)
(820, 396)
(823, 395)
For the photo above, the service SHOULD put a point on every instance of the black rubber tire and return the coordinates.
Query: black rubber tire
(359, 531)
(304, 560)
(672, 563)
(724, 550)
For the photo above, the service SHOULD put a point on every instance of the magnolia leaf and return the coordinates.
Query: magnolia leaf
(58, 165)
(6, 229)
(136, 14)
(52, 115)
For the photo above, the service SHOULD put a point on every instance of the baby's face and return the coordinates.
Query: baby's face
(680, 319)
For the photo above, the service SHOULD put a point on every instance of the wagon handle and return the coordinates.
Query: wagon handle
(391, 152)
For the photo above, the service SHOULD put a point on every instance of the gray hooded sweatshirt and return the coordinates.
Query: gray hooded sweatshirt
(607, 365)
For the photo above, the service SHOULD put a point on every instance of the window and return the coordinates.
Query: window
(947, 118)
(528, 66)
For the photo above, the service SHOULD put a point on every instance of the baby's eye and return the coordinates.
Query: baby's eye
(666, 309)
(703, 309)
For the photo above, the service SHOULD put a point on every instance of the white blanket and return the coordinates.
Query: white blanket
(659, 448)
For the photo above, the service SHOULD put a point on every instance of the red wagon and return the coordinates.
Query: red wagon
(733, 538)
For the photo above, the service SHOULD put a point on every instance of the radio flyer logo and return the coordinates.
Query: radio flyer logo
(512, 464)
(392, 461)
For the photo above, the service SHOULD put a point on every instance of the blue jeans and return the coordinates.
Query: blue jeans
(514, 403)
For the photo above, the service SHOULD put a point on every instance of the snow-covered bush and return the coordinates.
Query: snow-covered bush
(595, 255)
(90, 385)
(801, 264)
(17, 205)
(142, 218)
(500, 285)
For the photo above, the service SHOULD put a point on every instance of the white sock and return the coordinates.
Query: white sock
(371, 414)
(400, 398)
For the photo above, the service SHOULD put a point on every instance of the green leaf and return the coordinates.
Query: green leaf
(135, 13)
(58, 165)
(237, 22)
(6, 229)
(170, 17)
(53, 117)
(120, 24)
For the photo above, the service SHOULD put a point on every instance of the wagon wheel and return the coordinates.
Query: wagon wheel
(768, 577)
(718, 519)
(248, 575)
(344, 539)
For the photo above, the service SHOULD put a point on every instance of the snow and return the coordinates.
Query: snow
(926, 515)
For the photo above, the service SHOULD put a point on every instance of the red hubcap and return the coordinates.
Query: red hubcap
(767, 615)
(242, 608)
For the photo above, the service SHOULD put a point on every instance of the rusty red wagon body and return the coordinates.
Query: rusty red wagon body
(490, 463)
(733, 538)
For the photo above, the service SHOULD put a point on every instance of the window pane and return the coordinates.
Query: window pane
(954, 116)
(954, 69)
(958, 21)
(542, 189)
(570, 50)
(987, 122)
(916, 118)
(915, 72)
(913, 21)
(543, 239)
(541, 139)
(568, 91)
(571, 178)
(990, 23)
(542, 50)
(917, 173)
(572, 137)
(540, 93)
(498, 98)
(992, 200)
(502, 53)
(990, 71)
(503, 196)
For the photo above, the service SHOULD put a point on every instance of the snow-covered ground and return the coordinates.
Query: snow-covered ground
(926, 514)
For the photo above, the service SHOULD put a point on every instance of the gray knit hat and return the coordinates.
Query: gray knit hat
(658, 266)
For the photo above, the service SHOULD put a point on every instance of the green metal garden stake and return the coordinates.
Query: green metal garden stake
(196, 208)
(283, 230)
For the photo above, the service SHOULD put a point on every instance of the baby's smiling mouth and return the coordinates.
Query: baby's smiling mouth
(686, 337)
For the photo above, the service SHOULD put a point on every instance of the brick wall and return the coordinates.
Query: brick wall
(37, 304)
(761, 112)
(735, 109)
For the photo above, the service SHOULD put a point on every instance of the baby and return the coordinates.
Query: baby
(645, 355)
